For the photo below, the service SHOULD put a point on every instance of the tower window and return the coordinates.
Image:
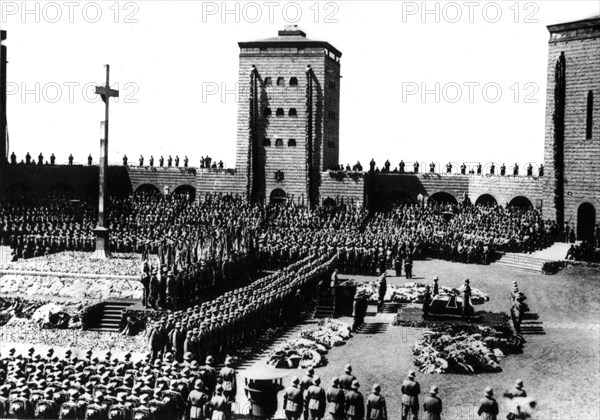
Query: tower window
(293, 81)
(280, 112)
(292, 112)
(292, 143)
(332, 85)
(267, 112)
(331, 144)
(267, 142)
(280, 81)
(278, 142)
(331, 115)
(268, 81)
(590, 116)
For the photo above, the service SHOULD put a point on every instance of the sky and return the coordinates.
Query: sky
(427, 81)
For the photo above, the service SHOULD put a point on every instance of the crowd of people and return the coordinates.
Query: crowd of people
(448, 167)
(585, 251)
(236, 317)
(212, 242)
(69, 387)
(205, 162)
(307, 399)
(51, 387)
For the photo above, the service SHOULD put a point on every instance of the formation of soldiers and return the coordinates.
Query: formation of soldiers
(307, 399)
(49, 387)
(174, 227)
(223, 324)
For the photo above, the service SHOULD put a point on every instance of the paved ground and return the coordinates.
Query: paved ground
(559, 365)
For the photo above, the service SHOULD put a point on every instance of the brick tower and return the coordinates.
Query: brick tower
(288, 115)
(572, 144)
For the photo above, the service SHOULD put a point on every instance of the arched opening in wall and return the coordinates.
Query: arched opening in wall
(521, 202)
(443, 198)
(329, 202)
(278, 196)
(486, 200)
(396, 198)
(148, 189)
(19, 192)
(63, 190)
(228, 198)
(293, 81)
(186, 190)
(586, 221)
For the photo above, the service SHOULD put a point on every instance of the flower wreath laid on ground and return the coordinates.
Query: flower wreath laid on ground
(309, 347)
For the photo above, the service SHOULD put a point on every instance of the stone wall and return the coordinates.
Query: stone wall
(68, 286)
(165, 178)
(346, 186)
(506, 188)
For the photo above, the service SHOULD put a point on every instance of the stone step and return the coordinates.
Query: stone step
(529, 267)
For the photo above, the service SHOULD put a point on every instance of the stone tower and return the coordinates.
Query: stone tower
(572, 142)
(288, 115)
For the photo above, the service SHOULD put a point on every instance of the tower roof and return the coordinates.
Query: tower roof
(290, 36)
(578, 29)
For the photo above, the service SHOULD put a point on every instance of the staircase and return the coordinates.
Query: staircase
(390, 308)
(325, 307)
(535, 261)
(109, 316)
(522, 261)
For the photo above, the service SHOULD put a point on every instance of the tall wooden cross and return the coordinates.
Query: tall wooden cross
(101, 231)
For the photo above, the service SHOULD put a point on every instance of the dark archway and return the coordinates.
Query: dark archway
(443, 198)
(398, 197)
(19, 191)
(278, 196)
(186, 190)
(586, 221)
(486, 200)
(521, 202)
(148, 189)
(329, 202)
(63, 190)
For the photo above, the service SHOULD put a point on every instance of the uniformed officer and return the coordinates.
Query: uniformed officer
(142, 412)
(208, 375)
(70, 410)
(315, 400)
(488, 406)
(119, 411)
(46, 408)
(432, 406)
(95, 410)
(354, 403)
(467, 309)
(305, 383)
(376, 405)
(410, 397)
(517, 390)
(292, 400)
(218, 407)
(347, 378)
(436, 288)
(382, 291)
(196, 402)
(335, 400)
(227, 377)
(426, 302)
